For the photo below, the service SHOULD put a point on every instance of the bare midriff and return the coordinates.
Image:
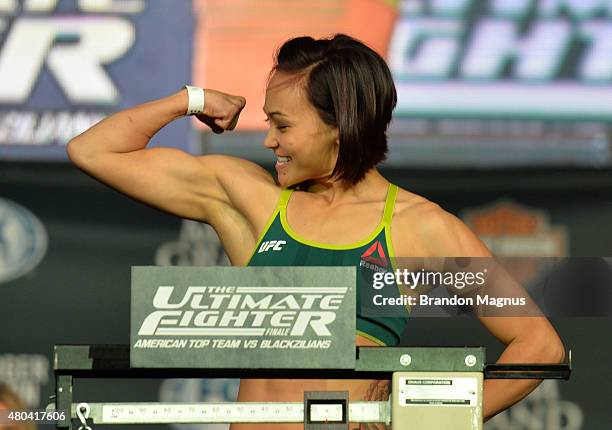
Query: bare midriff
(292, 390)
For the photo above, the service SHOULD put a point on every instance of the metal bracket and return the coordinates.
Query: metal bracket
(63, 399)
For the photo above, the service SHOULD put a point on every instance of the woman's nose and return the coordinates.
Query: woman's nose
(270, 141)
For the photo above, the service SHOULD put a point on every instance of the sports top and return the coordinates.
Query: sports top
(279, 245)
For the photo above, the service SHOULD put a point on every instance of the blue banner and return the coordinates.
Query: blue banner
(65, 65)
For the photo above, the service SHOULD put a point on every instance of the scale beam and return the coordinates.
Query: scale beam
(226, 413)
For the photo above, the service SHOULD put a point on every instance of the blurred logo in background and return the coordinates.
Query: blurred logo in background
(511, 229)
(197, 245)
(543, 409)
(23, 241)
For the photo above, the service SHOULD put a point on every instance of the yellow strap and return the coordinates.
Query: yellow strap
(284, 198)
(389, 204)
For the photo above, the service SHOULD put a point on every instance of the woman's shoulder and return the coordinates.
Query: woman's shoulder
(410, 205)
(432, 230)
(419, 214)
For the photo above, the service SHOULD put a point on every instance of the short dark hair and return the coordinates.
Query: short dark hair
(351, 87)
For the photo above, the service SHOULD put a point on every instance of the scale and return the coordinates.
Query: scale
(431, 387)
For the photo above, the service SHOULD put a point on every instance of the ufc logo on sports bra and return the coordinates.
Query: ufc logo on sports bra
(276, 245)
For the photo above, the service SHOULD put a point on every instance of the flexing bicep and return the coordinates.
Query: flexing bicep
(168, 179)
(165, 178)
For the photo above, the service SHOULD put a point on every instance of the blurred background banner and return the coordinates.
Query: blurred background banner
(504, 59)
(529, 59)
(234, 36)
(503, 119)
(480, 82)
(65, 65)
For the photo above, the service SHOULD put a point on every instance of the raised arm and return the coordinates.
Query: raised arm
(225, 192)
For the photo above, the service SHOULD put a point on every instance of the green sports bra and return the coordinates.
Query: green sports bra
(279, 245)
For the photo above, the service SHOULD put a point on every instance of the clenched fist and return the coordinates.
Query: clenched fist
(221, 111)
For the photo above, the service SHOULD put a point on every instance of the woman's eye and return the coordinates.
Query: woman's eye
(278, 127)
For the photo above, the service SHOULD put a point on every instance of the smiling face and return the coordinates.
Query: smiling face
(306, 148)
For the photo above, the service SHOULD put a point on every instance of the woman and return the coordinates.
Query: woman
(329, 103)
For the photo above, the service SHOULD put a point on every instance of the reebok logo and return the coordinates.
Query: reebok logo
(275, 245)
(375, 254)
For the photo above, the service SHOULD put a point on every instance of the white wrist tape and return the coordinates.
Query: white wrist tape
(196, 100)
